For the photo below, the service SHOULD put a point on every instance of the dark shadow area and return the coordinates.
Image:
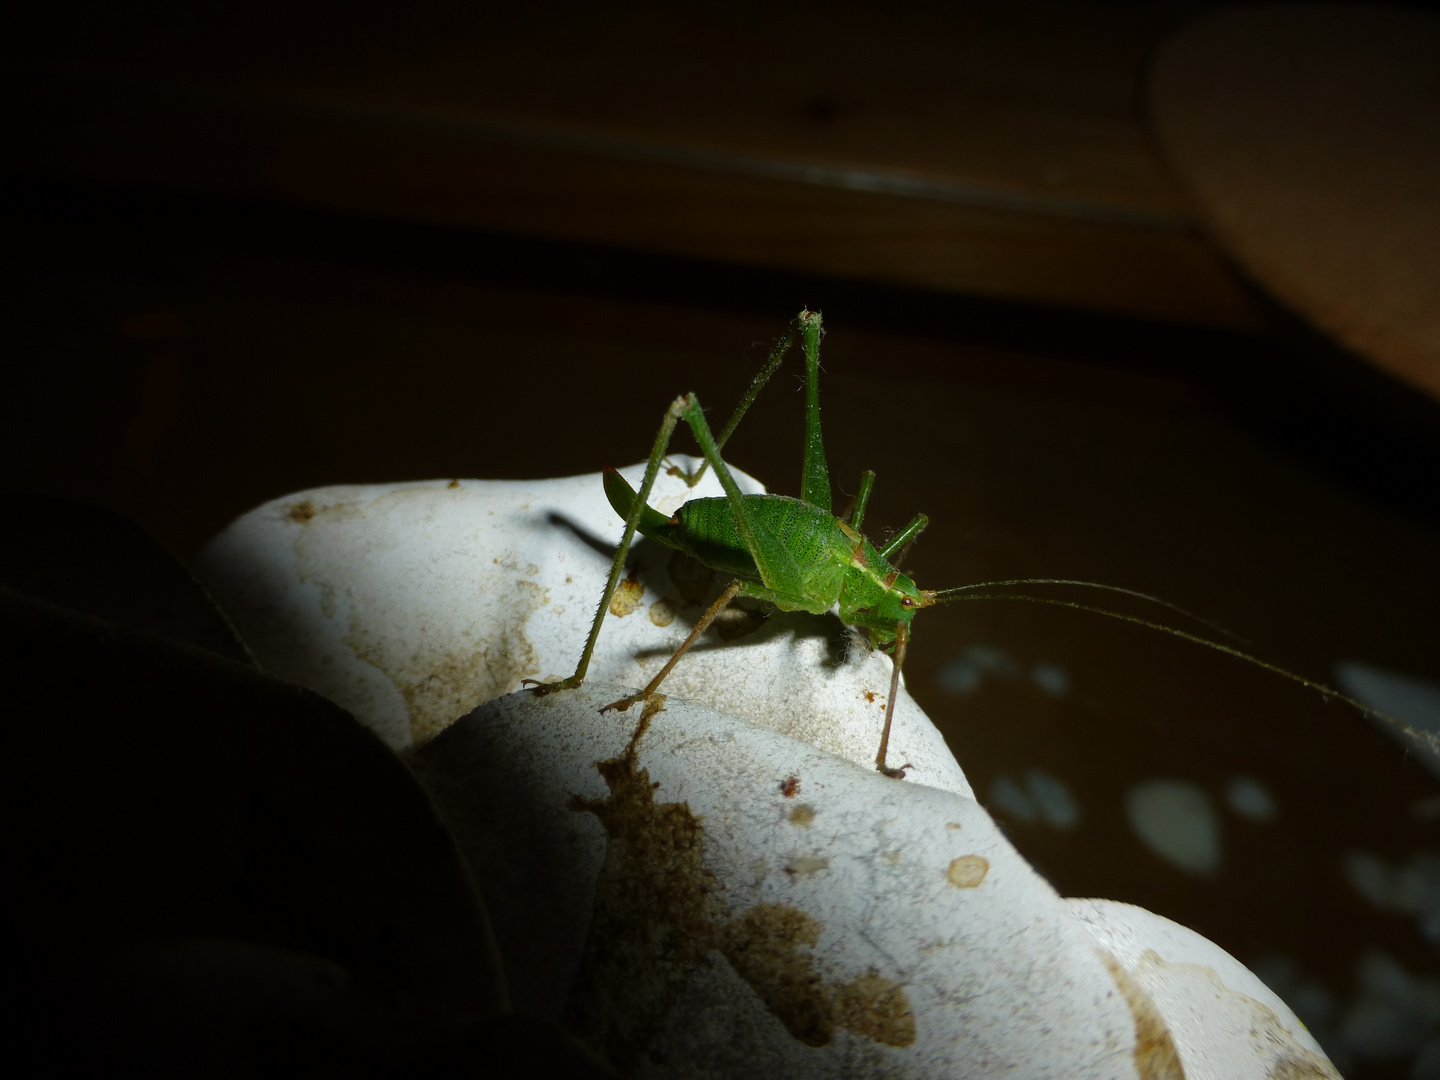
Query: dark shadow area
(1290, 387)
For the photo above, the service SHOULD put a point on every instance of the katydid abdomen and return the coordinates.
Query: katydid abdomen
(707, 529)
(837, 565)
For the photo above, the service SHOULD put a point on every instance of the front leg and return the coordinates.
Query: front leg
(902, 635)
(678, 408)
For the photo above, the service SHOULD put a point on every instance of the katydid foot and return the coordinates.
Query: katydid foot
(540, 689)
(653, 700)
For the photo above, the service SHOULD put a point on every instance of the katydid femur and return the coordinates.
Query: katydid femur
(797, 555)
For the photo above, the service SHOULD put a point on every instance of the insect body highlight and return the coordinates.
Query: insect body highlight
(838, 566)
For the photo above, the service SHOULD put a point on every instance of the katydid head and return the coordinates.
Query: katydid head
(883, 604)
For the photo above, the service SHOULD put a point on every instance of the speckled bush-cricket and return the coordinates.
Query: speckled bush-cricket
(797, 555)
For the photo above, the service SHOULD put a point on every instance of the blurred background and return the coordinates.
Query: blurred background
(1141, 294)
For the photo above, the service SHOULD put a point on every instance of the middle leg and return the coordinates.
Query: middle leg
(734, 590)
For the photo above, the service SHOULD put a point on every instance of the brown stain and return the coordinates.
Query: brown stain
(805, 865)
(968, 871)
(1307, 1068)
(790, 786)
(653, 919)
(629, 595)
(803, 816)
(658, 913)
(1268, 1033)
(440, 674)
(453, 484)
(877, 1008)
(1155, 1055)
(440, 685)
(763, 946)
(662, 613)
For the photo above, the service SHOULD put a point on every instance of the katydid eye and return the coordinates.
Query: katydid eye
(905, 601)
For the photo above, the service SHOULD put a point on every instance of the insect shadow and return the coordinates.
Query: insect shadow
(589, 539)
(693, 587)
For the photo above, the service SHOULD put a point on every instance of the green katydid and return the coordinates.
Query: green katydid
(797, 555)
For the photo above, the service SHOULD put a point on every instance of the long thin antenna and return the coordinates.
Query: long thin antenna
(944, 596)
(1429, 740)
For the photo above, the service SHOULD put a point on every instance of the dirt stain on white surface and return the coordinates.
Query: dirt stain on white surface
(442, 682)
(764, 946)
(301, 512)
(1155, 1055)
(805, 865)
(659, 912)
(629, 595)
(441, 685)
(1270, 1038)
(968, 871)
(440, 671)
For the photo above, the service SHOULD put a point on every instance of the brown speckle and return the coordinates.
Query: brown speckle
(302, 512)
(803, 816)
(629, 594)
(954, 826)
(662, 613)
(967, 871)
(805, 865)
(869, 697)
(790, 786)
(453, 484)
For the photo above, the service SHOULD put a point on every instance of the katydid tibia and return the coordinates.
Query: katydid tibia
(797, 555)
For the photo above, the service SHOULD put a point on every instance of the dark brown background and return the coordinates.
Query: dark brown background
(248, 254)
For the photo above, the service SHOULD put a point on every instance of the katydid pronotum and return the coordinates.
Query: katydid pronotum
(797, 555)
